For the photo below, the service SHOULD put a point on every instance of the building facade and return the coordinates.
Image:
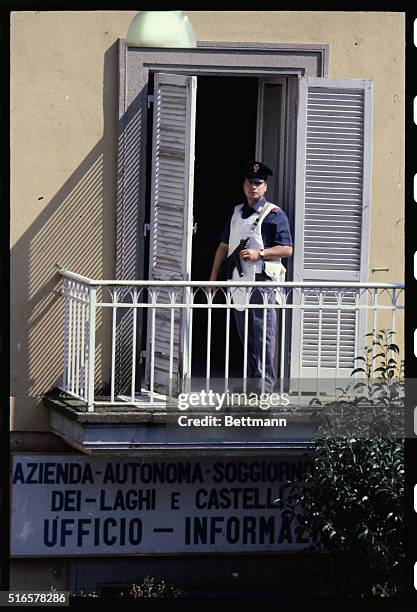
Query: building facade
(101, 191)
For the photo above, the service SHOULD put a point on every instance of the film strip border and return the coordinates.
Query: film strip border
(411, 298)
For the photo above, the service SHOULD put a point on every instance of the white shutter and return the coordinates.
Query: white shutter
(331, 238)
(171, 216)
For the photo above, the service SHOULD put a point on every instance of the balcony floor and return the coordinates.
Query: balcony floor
(153, 429)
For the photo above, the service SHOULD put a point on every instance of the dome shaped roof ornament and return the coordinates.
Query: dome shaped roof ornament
(161, 29)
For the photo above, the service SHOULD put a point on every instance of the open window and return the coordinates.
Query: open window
(189, 203)
(322, 154)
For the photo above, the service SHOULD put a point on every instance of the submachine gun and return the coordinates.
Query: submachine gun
(233, 261)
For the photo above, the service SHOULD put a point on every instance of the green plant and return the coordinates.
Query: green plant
(374, 404)
(352, 504)
(84, 594)
(379, 359)
(150, 587)
(383, 369)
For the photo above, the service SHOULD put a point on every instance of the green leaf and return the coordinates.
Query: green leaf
(364, 534)
(356, 370)
(359, 385)
(394, 347)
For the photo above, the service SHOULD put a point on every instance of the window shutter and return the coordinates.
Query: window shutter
(171, 217)
(331, 238)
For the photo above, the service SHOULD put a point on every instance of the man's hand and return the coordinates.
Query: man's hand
(271, 254)
(249, 254)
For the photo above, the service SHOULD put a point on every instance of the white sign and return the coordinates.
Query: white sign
(74, 505)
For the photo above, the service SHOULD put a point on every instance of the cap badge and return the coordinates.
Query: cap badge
(255, 167)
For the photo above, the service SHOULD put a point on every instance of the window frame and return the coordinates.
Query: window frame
(208, 58)
(136, 67)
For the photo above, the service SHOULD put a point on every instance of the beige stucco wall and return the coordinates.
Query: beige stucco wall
(64, 81)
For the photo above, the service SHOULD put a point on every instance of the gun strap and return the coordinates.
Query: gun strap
(265, 210)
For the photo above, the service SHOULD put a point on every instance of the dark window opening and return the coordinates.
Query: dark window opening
(225, 140)
(228, 128)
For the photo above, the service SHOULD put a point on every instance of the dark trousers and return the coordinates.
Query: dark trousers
(255, 335)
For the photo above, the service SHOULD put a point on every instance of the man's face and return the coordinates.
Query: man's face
(253, 191)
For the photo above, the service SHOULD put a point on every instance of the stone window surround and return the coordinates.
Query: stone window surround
(208, 58)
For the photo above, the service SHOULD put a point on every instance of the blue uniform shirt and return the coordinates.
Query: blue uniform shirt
(275, 228)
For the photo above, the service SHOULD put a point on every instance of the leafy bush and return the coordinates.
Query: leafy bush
(154, 588)
(148, 588)
(352, 504)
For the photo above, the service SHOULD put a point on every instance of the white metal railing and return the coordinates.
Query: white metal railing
(315, 329)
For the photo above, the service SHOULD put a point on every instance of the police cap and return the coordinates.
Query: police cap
(257, 170)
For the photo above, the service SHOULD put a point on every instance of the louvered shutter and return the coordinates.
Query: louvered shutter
(331, 238)
(171, 218)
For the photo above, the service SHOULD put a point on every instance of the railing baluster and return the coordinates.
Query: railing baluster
(65, 282)
(374, 323)
(227, 343)
(83, 324)
(264, 319)
(152, 374)
(171, 346)
(113, 345)
(301, 351)
(245, 340)
(391, 339)
(208, 350)
(190, 301)
(358, 349)
(393, 313)
(91, 347)
(134, 342)
(321, 301)
(73, 335)
(338, 323)
(283, 311)
(78, 353)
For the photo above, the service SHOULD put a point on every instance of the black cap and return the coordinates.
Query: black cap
(258, 170)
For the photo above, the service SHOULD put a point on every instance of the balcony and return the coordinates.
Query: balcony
(132, 347)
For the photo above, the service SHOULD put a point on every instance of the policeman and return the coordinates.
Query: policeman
(270, 240)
